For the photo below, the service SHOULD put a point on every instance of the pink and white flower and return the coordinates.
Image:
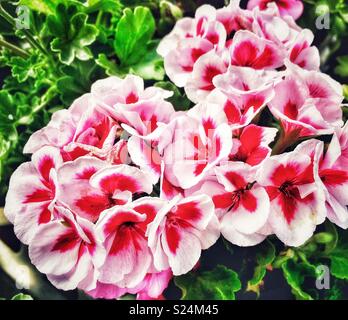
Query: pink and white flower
(297, 200)
(307, 103)
(153, 285)
(250, 144)
(249, 50)
(145, 154)
(180, 231)
(245, 93)
(201, 80)
(68, 251)
(122, 192)
(293, 8)
(269, 24)
(112, 91)
(190, 39)
(240, 203)
(78, 131)
(234, 18)
(122, 230)
(198, 27)
(141, 112)
(98, 186)
(331, 176)
(201, 140)
(33, 193)
(179, 63)
(151, 288)
(302, 53)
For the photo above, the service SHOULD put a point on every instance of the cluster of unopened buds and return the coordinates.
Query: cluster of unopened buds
(123, 192)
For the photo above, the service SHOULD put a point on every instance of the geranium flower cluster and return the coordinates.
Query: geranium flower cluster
(123, 192)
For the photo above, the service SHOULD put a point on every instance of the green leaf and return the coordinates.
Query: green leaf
(345, 91)
(76, 81)
(342, 68)
(22, 296)
(72, 34)
(110, 67)
(4, 146)
(339, 257)
(220, 283)
(179, 100)
(335, 291)
(294, 273)
(339, 263)
(151, 66)
(344, 14)
(264, 258)
(8, 111)
(112, 6)
(23, 68)
(133, 3)
(133, 32)
(43, 6)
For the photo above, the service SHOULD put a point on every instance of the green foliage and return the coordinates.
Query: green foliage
(110, 67)
(220, 283)
(24, 68)
(72, 34)
(133, 32)
(301, 264)
(151, 65)
(264, 258)
(111, 6)
(22, 296)
(342, 68)
(77, 80)
(179, 100)
(294, 274)
(338, 256)
(43, 6)
(335, 36)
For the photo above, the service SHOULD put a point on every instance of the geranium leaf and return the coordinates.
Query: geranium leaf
(179, 100)
(294, 273)
(339, 257)
(22, 296)
(72, 34)
(23, 68)
(111, 6)
(110, 67)
(342, 68)
(220, 283)
(76, 81)
(44, 6)
(134, 30)
(151, 65)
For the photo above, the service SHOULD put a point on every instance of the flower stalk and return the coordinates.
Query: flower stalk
(16, 266)
(16, 50)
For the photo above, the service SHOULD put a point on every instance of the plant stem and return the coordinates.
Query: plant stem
(328, 47)
(30, 37)
(18, 51)
(286, 140)
(3, 220)
(25, 276)
(46, 98)
(99, 18)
